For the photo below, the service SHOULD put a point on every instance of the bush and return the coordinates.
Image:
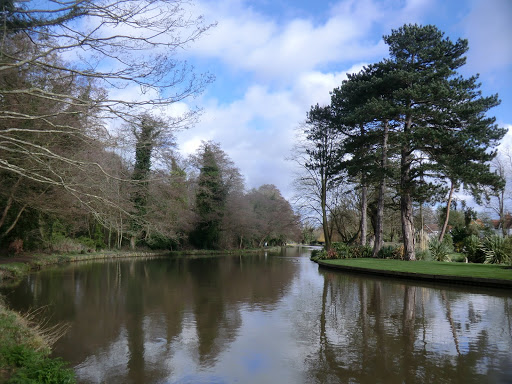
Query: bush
(35, 368)
(158, 241)
(342, 251)
(386, 252)
(360, 251)
(439, 250)
(496, 250)
(390, 252)
(423, 254)
(473, 249)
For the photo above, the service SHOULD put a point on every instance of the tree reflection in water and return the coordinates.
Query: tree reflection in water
(258, 318)
(381, 331)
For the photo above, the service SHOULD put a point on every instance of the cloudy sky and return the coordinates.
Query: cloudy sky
(273, 59)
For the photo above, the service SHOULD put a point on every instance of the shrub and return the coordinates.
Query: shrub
(398, 252)
(35, 368)
(386, 252)
(341, 250)
(473, 249)
(315, 254)
(439, 250)
(358, 251)
(496, 250)
(423, 254)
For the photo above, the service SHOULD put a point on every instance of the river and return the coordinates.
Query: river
(266, 319)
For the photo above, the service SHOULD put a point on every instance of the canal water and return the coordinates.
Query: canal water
(266, 319)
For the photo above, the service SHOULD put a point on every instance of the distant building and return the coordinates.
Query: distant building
(497, 225)
(431, 230)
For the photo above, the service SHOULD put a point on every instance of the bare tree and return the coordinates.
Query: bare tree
(68, 70)
(319, 156)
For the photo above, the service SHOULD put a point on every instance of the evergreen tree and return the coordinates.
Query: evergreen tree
(363, 103)
(146, 130)
(210, 202)
(441, 116)
(414, 109)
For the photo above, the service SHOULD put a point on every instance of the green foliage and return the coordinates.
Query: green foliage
(361, 251)
(391, 252)
(344, 251)
(210, 202)
(473, 249)
(158, 241)
(496, 250)
(386, 252)
(423, 254)
(341, 251)
(439, 250)
(32, 367)
(459, 234)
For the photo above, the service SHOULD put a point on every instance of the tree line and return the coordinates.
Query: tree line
(401, 133)
(88, 156)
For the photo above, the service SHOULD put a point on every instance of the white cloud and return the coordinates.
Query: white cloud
(506, 142)
(246, 41)
(258, 130)
(489, 31)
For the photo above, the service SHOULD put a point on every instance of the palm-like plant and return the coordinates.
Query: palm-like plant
(496, 250)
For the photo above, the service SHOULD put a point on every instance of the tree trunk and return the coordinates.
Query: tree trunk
(364, 212)
(447, 218)
(364, 199)
(406, 210)
(325, 224)
(501, 201)
(379, 230)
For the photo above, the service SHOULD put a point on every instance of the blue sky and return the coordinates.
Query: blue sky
(273, 59)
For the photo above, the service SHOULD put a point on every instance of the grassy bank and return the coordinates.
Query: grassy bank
(25, 350)
(484, 274)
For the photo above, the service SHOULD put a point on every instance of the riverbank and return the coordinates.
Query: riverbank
(24, 351)
(14, 268)
(488, 275)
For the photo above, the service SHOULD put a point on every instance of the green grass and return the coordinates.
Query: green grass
(485, 271)
(24, 353)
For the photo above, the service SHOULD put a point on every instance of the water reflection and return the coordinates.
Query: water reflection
(262, 318)
(379, 331)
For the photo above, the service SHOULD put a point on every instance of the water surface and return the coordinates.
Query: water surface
(267, 319)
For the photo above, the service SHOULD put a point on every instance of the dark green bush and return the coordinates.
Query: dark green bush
(35, 368)
(342, 250)
(386, 252)
(358, 251)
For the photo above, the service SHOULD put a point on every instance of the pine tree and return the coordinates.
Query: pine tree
(440, 114)
(210, 202)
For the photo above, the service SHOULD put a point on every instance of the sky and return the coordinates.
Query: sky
(274, 59)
